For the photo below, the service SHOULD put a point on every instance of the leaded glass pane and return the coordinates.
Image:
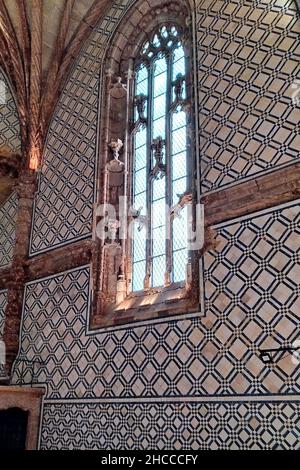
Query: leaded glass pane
(159, 213)
(140, 202)
(142, 88)
(142, 74)
(179, 265)
(164, 32)
(178, 120)
(140, 181)
(179, 165)
(159, 106)
(161, 82)
(141, 138)
(140, 158)
(180, 231)
(139, 270)
(179, 140)
(159, 241)
(160, 65)
(159, 189)
(139, 252)
(179, 188)
(158, 271)
(159, 128)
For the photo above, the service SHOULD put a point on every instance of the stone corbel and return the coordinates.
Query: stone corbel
(118, 89)
(141, 220)
(159, 170)
(115, 146)
(184, 200)
(140, 103)
(180, 102)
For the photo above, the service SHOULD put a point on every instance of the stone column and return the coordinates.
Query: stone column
(15, 285)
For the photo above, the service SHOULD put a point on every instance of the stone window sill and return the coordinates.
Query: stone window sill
(150, 305)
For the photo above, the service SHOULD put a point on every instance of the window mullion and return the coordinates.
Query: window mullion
(169, 249)
(149, 249)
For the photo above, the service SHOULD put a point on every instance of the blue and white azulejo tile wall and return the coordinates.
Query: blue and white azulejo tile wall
(249, 67)
(10, 137)
(196, 382)
(197, 360)
(8, 218)
(3, 304)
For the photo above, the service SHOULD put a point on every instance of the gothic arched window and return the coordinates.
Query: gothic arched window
(160, 167)
(146, 262)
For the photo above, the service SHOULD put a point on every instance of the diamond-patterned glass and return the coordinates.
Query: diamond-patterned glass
(168, 165)
(158, 271)
(138, 276)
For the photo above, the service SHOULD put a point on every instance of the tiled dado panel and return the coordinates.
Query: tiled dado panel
(8, 217)
(10, 136)
(3, 303)
(64, 201)
(169, 426)
(252, 297)
(252, 302)
(249, 69)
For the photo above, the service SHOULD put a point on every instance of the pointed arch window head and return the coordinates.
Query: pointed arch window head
(160, 161)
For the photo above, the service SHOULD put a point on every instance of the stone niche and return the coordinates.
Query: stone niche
(26, 399)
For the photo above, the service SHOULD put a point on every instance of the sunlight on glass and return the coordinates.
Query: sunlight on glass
(180, 246)
(139, 270)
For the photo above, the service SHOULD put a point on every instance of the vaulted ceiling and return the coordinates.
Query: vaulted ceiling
(52, 14)
(39, 40)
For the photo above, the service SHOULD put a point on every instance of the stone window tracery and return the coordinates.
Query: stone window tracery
(160, 171)
(143, 267)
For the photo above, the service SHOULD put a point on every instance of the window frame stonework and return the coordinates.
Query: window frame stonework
(113, 302)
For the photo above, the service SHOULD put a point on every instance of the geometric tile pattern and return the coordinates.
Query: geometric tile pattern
(249, 124)
(3, 303)
(199, 426)
(252, 297)
(8, 217)
(9, 119)
(252, 302)
(248, 61)
(63, 206)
